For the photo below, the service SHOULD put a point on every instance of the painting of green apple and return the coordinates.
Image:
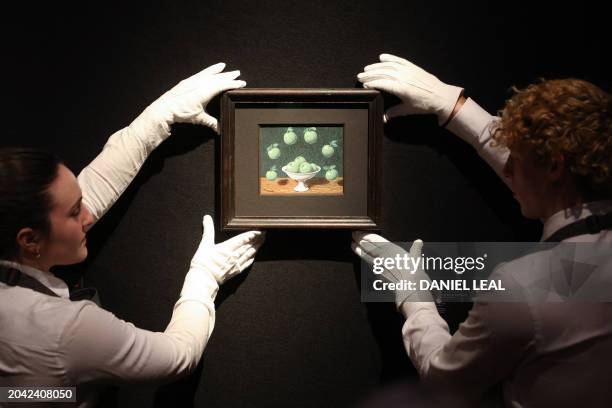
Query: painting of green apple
(301, 160)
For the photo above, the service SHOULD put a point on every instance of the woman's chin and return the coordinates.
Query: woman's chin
(83, 252)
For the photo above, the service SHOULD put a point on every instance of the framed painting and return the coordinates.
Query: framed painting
(301, 158)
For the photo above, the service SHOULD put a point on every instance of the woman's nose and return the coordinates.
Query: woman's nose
(88, 218)
(507, 169)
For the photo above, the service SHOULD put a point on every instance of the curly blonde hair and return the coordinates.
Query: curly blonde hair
(570, 117)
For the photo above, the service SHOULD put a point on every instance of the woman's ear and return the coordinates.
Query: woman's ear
(557, 168)
(29, 241)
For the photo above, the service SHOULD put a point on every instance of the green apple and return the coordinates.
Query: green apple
(310, 135)
(274, 153)
(299, 160)
(327, 151)
(305, 168)
(271, 175)
(331, 174)
(292, 167)
(290, 137)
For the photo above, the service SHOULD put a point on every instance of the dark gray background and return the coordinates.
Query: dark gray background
(292, 330)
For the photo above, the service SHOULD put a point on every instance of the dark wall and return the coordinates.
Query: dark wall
(291, 331)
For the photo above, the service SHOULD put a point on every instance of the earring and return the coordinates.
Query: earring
(37, 254)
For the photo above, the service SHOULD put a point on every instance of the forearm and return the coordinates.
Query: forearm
(485, 348)
(424, 334)
(104, 180)
(190, 328)
(457, 108)
(100, 347)
(107, 177)
(473, 124)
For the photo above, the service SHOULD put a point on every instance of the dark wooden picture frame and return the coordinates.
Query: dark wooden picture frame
(245, 111)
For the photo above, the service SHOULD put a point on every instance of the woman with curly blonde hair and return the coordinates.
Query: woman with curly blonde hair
(552, 145)
(563, 128)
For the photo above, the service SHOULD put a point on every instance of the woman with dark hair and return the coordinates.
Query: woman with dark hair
(552, 145)
(45, 212)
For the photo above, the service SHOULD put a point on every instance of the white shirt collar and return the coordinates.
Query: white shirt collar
(565, 217)
(57, 285)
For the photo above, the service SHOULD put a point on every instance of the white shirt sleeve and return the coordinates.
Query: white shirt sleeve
(486, 347)
(110, 173)
(473, 125)
(99, 347)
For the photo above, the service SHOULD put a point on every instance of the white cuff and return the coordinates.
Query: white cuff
(408, 308)
(470, 122)
(473, 125)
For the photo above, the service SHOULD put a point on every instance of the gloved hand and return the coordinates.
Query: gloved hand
(420, 91)
(370, 246)
(105, 179)
(186, 102)
(213, 263)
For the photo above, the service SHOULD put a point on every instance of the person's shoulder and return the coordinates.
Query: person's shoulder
(526, 269)
(33, 318)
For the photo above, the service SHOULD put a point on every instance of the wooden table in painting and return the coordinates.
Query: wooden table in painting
(316, 186)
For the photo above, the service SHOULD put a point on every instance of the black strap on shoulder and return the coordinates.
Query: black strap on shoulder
(84, 294)
(592, 224)
(14, 277)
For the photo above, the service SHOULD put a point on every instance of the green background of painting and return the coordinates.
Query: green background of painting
(312, 153)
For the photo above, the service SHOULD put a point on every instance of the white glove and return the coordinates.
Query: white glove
(370, 246)
(419, 91)
(213, 263)
(186, 102)
(107, 177)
